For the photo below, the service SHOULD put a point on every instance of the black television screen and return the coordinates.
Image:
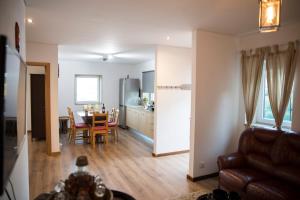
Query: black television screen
(12, 108)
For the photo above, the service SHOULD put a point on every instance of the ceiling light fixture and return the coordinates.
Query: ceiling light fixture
(110, 56)
(29, 20)
(107, 57)
(168, 38)
(269, 15)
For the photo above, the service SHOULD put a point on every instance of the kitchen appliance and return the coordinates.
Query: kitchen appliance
(128, 95)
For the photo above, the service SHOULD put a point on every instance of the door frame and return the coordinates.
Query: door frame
(47, 102)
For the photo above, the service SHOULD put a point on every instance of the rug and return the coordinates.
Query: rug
(190, 196)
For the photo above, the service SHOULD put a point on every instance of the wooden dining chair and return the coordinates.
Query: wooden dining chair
(113, 125)
(99, 127)
(76, 128)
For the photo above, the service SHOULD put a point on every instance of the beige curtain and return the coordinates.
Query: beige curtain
(252, 67)
(281, 66)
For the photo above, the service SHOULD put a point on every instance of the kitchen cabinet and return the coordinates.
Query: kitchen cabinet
(148, 81)
(141, 120)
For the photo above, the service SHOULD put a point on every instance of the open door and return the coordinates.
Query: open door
(38, 119)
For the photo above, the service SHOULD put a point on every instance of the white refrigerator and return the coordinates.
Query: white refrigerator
(129, 91)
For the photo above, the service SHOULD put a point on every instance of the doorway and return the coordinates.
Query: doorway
(37, 94)
(40, 69)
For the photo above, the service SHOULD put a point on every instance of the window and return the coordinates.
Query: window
(88, 89)
(264, 112)
(149, 96)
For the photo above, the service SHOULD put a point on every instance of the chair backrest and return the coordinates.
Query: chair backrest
(100, 119)
(113, 114)
(116, 119)
(71, 116)
(69, 110)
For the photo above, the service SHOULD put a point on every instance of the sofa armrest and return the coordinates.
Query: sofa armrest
(234, 160)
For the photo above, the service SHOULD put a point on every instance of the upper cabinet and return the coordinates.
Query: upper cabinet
(148, 81)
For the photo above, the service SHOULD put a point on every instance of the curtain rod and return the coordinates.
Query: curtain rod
(253, 49)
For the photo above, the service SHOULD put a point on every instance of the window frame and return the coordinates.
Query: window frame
(99, 89)
(259, 118)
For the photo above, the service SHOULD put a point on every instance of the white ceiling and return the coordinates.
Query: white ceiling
(84, 53)
(84, 29)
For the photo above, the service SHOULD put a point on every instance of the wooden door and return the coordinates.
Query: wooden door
(37, 89)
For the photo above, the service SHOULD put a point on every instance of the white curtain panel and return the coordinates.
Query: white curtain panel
(281, 67)
(252, 67)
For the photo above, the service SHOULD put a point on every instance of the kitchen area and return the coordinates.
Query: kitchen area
(137, 103)
(152, 96)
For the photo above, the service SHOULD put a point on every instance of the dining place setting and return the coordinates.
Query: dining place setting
(96, 126)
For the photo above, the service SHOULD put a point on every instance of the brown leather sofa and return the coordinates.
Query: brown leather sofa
(265, 167)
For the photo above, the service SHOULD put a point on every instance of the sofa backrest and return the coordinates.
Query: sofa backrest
(286, 151)
(272, 151)
(258, 140)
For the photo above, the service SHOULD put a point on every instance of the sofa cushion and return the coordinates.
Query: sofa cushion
(260, 162)
(289, 173)
(112, 124)
(258, 141)
(81, 125)
(99, 128)
(238, 179)
(271, 190)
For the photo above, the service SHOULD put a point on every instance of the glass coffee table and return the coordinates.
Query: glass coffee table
(118, 195)
(219, 194)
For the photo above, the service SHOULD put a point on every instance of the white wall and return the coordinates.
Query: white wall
(31, 70)
(172, 107)
(283, 36)
(111, 73)
(37, 52)
(218, 111)
(12, 11)
(214, 100)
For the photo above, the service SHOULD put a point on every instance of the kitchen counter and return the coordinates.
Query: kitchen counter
(140, 108)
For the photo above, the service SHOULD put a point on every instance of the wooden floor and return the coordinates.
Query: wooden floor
(127, 166)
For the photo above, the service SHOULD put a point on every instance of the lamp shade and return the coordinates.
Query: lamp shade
(269, 15)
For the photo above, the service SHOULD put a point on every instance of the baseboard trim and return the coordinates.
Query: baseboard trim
(170, 153)
(141, 135)
(199, 178)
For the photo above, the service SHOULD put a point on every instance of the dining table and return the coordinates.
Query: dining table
(87, 117)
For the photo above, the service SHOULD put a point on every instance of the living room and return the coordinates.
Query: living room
(215, 33)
